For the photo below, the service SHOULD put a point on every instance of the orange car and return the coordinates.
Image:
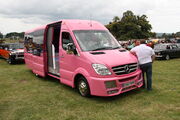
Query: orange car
(12, 52)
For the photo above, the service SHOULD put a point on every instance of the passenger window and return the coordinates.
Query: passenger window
(168, 47)
(34, 42)
(66, 39)
(174, 47)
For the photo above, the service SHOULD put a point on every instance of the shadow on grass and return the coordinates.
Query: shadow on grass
(118, 97)
(18, 62)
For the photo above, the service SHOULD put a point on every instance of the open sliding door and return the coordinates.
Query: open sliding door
(52, 41)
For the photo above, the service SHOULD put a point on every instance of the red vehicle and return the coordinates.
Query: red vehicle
(12, 52)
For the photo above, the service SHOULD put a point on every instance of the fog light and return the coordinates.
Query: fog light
(112, 91)
(110, 84)
(139, 82)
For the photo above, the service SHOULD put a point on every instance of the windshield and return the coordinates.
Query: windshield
(160, 47)
(92, 40)
(16, 46)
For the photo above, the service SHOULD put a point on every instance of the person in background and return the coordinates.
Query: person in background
(146, 56)
(137, 42)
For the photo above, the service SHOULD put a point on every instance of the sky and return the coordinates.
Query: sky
(22, 15)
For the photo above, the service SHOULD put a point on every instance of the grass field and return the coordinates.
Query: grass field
(23, 96)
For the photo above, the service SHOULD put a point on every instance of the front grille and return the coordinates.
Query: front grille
(125, 69)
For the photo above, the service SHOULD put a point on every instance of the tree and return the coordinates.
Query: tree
(164, 35)
(1, 35)
(130, 26)
(15, 34)
(116, 19)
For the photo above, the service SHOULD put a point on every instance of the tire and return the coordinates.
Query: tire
(83, 87)
(167, 57)
(10, 61)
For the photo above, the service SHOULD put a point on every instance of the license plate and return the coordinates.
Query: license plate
(127, 84)
(20, 57)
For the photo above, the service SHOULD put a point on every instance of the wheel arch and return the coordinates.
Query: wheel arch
(80, 73)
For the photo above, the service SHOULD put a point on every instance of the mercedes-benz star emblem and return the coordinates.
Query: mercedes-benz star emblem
(127, 69)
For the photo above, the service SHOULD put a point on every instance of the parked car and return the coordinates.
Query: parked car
(12, 52)
(167, 51)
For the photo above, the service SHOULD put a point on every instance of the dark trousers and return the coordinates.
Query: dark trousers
(147, 68)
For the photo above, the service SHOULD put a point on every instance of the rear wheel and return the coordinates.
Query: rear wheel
(83, 87)
(167, 57)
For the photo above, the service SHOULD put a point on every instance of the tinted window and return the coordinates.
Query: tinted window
(34, 42)
(174, 47)
(160, 47)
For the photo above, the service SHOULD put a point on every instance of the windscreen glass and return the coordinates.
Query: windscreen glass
(92, 40)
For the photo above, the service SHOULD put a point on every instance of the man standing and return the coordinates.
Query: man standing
(146, 56)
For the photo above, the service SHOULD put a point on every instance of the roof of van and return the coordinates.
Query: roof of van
(83, 25)
(75, 25)
(35, 29)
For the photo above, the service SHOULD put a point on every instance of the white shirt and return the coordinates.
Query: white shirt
(143, 53)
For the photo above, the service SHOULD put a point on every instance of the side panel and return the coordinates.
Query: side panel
(35, 63)
(38, 65)
(68, 62)
(34, 55)
(5, 54)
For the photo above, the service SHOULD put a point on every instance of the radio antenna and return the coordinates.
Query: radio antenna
(90, 21)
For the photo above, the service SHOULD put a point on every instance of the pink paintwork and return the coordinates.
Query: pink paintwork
(71, 65)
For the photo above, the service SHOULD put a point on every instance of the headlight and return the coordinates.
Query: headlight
(101, 69)
(12, 53)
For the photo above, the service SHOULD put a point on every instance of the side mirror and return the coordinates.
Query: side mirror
(71, 49)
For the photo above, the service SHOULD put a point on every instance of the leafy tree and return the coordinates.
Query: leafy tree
(116, 19)
(130, 26)
(15, 34)
(1, 35)
(164, 35)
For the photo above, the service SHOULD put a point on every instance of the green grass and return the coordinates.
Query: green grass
(23, 96)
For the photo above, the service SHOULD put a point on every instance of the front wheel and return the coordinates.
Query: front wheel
(10, 61)
(167, 57)
(83, 87)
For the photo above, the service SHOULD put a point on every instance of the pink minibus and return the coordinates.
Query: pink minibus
(84, 55)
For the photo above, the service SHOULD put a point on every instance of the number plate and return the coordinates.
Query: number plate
(128, 84)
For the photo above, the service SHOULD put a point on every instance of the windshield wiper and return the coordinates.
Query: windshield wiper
(103, 48)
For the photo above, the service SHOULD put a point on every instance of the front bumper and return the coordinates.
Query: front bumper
(124, 83)
(159, 56)
(17, 57)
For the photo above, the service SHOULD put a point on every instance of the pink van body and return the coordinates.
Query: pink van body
(71, 66)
